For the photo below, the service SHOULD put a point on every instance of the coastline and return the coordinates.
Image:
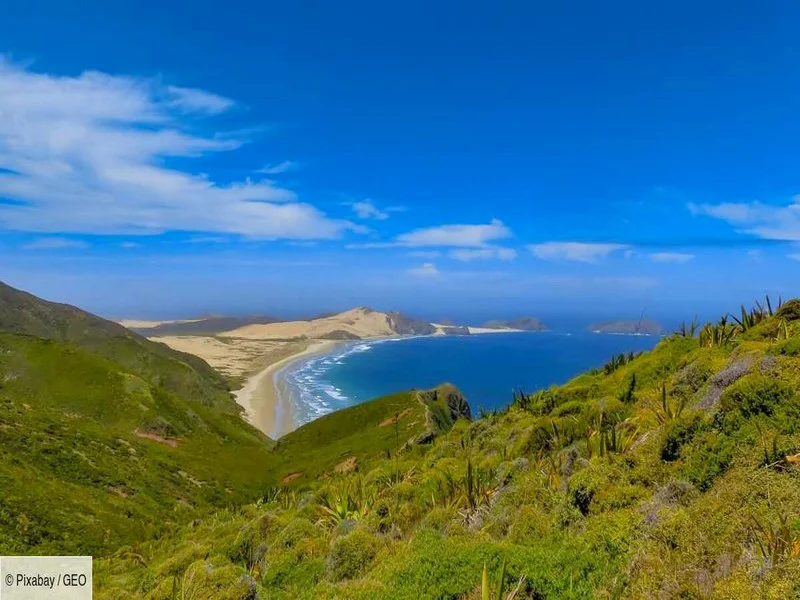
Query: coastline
(269, 408)
(259, 397)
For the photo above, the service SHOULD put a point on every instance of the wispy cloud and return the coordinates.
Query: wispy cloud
(489, 253)
(279, 168)
(755, 218)
(574, 251)
(425, 253)
(671, 257)
(86, 154)
(207, 239)
(54, 243)
(456, 236)
(130, 245)
(426, 270)
(794, 256)
(366, 209)
(198, 101)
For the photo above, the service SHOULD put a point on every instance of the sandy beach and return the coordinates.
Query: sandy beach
(263, 406)
(251, 355)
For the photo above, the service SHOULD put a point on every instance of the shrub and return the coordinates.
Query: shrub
(530, 524)
(677, 434)
(756, 394)
(297, 530)
(790, 347)
(351, 554)
(582, 488)
(790, 311)
(572, 407)
(709, 456)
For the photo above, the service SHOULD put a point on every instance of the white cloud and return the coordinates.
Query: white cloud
(207, 239)
(424, 270)
(54, 243)
(367, 210)
(755, 218)
(425, 254)
(86, 154)
(575, 251)
(192, 100)
(129, 245)
(459, 236)
(794, 256)
(277, 169)
(489, 253)
(671, 257)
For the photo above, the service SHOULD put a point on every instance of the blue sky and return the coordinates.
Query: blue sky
(448, 159)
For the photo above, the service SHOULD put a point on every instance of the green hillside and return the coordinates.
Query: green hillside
(177, 372)
(671, 474)
(108, 439)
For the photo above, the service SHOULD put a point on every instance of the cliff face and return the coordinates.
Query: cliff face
(405, 325)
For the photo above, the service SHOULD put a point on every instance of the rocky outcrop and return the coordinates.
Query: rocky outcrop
(405, 325)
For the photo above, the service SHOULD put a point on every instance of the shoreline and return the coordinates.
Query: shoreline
(263, 406)
(268, 408)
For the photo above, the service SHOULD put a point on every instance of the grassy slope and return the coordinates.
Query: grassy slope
(76, 477)
(178, 372)
(684, 484)
(79, 394)
(74, 391)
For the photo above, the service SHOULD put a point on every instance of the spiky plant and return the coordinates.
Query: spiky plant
(776, 540)
(687, 331)
(350, 501)
(783, 331)
(717, 335)
(500, 586)
(667, 411)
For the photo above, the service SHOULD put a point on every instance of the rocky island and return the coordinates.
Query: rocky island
(521, 324)
(638, 327)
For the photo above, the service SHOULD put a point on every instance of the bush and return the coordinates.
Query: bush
(572, 407)
(790, 347)
(790, 311)
(677, 434)
(351, 554)
(756, 394)
(531, 523)
(296, 531)
(709, 456)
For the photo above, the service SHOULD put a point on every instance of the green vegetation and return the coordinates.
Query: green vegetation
(108, 439)
(671, 474)
(667, 474)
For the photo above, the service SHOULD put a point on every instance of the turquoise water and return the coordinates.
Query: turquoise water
(486, 368)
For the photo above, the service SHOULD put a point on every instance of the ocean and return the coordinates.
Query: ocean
(486, 367)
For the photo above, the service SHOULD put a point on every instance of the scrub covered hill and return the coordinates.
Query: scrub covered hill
(109, 439)
(178, 372)
(106, 437)
(670, 474)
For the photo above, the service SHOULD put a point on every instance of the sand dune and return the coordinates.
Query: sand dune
(234, 358)
(138, 324)
(358, 322)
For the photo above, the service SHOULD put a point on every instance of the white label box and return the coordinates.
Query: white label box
(45, 577)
